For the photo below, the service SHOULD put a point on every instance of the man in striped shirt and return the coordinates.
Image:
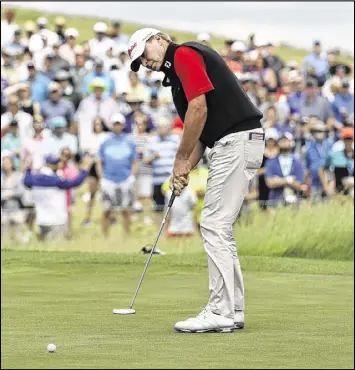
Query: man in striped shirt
(160, 153)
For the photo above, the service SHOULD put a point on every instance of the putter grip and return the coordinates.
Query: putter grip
(172, 198)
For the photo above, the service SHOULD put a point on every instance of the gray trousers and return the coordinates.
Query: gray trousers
(234, 161)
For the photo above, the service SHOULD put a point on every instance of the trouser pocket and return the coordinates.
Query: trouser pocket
(253, 152)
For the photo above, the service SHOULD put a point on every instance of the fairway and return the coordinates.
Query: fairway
(294, 319)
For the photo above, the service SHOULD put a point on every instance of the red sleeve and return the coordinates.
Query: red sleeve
(191, 70)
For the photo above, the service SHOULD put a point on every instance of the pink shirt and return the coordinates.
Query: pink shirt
(35, 149)
(69, 173)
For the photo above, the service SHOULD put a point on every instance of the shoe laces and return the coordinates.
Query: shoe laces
(203, 313)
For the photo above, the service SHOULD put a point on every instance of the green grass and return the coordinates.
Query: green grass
(301, 317)
(84, 25)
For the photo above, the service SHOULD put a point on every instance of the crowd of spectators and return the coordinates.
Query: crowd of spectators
(73, 112)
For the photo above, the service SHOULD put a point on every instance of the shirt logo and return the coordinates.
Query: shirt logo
(167, 64)
(131, 49)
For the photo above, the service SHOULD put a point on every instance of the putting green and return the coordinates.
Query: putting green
(294, 319)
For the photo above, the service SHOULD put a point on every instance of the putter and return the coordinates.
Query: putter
(131, 310)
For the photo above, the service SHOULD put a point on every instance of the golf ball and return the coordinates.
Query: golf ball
(51, 347)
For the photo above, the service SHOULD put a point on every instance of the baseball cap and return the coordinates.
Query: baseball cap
(271, 133)
(136, 45)
(98, 62)
(203, 36)
(71, 32)
(118, 117)
(52, 159)
(317, 43)
(58, 122)
(53, 86)
(347, 133)
(42, 21)
(100, 27)
(238, 46)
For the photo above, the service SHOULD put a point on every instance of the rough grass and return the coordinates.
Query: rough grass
(84, 25)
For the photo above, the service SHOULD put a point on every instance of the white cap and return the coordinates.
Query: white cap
(53, 86)
(157, 76)
(253, 55)
(203, 36)
(238, 46)
(163, 121)
(118, 117)
(136, 45)
(271, 133)
(42, 21)
(100, 27)
(71, 32)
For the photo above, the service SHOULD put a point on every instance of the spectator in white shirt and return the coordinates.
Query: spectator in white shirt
(14, 113)
(101, 43)
(67, 50)
(117, 36)
(8, 27)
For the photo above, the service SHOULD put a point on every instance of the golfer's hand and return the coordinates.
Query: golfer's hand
(178, 184)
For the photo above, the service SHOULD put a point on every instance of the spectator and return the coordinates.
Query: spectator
(59, 139)
(16, 42)
(340, 160)
(316, 65)
(99, 136)
(48, 67)
(313, 104)
(95, 105)
(13, 143)
(271, 121)
(29, 28)
(236, 62)
(79, 71)
(57, 106)
(343, 105)
(204, 38)
(294, 100)
(68, 171)
(23, 119)
(59, 24)
(117, 168)
(26, 104)
(59, 63)
(4, 85)
(271, 151)
(40, 55)
(181, 222)
(117, 36)
(316, 152)
(34, 148)
(144, 180)
(274, 61)
(154, 109)
(51, 36)
(331, 88)
(135, 104)
(138, 89)
(67, 88)
(284, 174)
(160, 153)
(101, 43)
(38, 82)
(8, 27)
(50, 196)
(9, 70)
(110, 89)
(12, 216)
(67, 50)
(249, 87)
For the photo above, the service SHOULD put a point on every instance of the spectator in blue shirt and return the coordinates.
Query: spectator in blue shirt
(39, 83)
(317, 64)
(135, 104)
(284, 174)
(16, 43)
(117, 167)
(13, 142)
(317, 150)
(343, 105)
(56, 106)
(294, 99)
(98, 72)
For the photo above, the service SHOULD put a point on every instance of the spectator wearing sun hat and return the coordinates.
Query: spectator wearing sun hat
(67, 50)
(100, 43)
(98, 72)
(59, 24)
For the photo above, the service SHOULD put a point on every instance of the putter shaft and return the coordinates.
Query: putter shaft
(171, 201)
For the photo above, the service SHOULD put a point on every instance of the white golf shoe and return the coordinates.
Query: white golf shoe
(206, 322)
(239, 320)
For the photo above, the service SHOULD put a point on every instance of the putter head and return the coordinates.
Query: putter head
(124, 311)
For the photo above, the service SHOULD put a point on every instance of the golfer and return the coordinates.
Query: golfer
(217, 114)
